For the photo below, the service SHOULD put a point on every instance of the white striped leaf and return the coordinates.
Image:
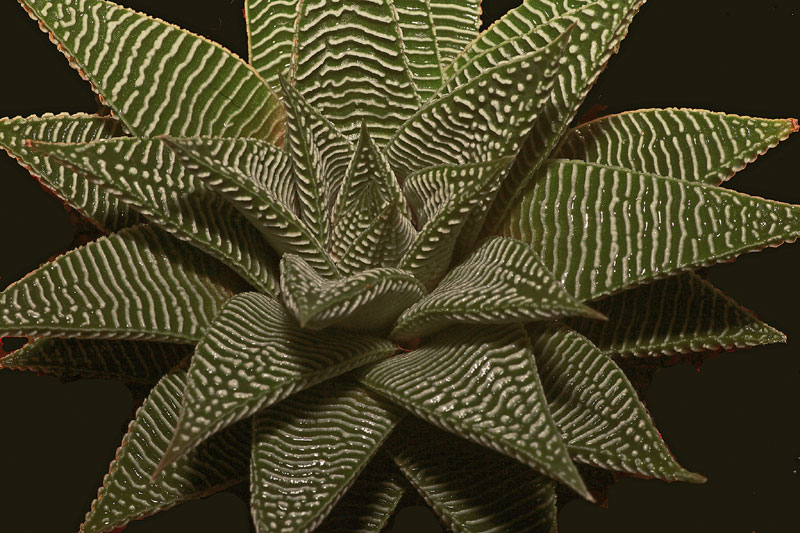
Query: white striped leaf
(603, 229)
(158, 78)
(350, 64)
(596, 408)
(678, 314)
(372, 299)
(456, 23)
(473, 490)
(309, 449)
(368, 187)
(145, 174)
(681, 143)
(253, 355)
(128, 493)
(368, 504)
(601, 27)
(135, 362)
(137, 284)
(264, 208)
(270, 36)
(415, 18)
(104, 211)
(458, 127)
(502, 282)
(480, 382)
(459, 190)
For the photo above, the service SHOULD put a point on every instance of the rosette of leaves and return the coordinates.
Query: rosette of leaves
(377, 258)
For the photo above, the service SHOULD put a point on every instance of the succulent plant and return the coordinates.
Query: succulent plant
(378, 256)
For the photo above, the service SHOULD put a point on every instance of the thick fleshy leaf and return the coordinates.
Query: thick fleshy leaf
(270, 36)
(158, 78)
(596, 408)
(309, 449)
(457, 190)
(603, 229)
(99, 207)
(457, 23)
(415, 18)
(253, 355)
(372, 299)
(471, 488)
(678, 314)
(480, 382)
(139, 283)
(264, 208)
(367, 506)
(145, 174)
(601, 26)
(349, 63)
(503, 282)
(128, 493)
(136, 362)
(681, 143)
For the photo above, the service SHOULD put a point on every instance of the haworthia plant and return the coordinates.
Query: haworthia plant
(383, 216)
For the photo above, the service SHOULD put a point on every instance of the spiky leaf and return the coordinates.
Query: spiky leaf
(371, 299)
(138, 283)
(456, 24)
(480, 382)
(310, 448)
(650, 226)
(158, 78)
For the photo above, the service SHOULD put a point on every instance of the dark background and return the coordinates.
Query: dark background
(734, 419)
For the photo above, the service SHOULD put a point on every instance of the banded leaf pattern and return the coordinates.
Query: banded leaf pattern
(473, 489)
(350, 64)
(270, 36)
(253, 355)
(415, 18)
(101, 209)
(147, 176)
(502, 282)
(689, 144)
(603, 229)
(456, 25)
(128, 493)
(137, 284)
(158, 78)
(138, 362)
(678, 314)
(480, 382)
(384, 242)
(294, 485)
(596, 408)
(371, 299)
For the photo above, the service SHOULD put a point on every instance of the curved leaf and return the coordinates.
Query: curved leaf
(158, 78)
(270, 36)
(456, 23)
(603, 229)
(138, 283)
(309, 449)
(415, 18)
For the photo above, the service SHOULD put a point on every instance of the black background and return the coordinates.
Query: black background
(734, 419)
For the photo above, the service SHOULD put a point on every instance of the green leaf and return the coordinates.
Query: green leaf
(253, 355)
(264, 207)
(415, 18)
(480, 382)
(367, 506)
(457, 23)
(601, 26)
(603, 229)
(158, 78)
(270, 36)
(372, 299)
(137, 362)
(678, 314)
(470, 488)
(502, 282)
(457, 191)
(101, 209)
(146, 175)
(681, 143)
(129, 494)
(309, 449)
(596, 408)
(138, 284)
(349, 63)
